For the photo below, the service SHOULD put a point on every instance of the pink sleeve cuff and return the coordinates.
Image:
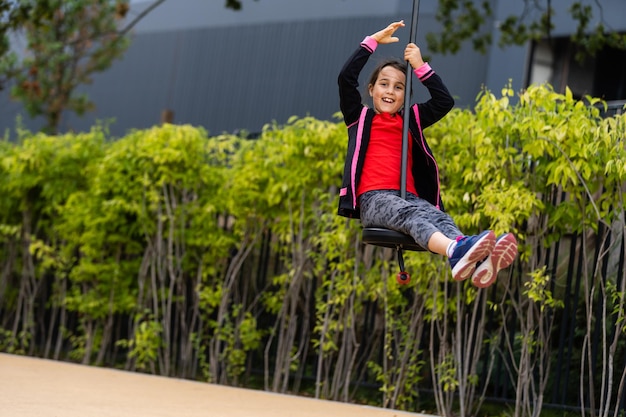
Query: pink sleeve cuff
(423, 70)
(370, 43)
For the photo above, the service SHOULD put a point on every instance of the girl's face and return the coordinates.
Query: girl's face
(388, 91)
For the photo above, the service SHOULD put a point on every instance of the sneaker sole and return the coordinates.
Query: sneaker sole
(484, 274)
(467, 265)
(503, 255)
(504, 252)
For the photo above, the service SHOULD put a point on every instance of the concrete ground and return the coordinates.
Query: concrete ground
(31, 387)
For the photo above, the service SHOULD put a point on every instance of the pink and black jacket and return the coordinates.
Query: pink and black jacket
(358, 118)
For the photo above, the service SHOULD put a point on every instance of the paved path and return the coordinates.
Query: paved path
(31, 387)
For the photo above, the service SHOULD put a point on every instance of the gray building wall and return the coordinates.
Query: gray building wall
(230, 71)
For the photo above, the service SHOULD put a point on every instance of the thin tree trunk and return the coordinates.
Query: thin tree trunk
(215, 349)
(106, 331)
(320, 351)
(89, 339)
(62, 322)
(54, 313)
(7, 271)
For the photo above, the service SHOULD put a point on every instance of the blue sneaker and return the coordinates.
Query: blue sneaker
(468, 252)
(503, 255)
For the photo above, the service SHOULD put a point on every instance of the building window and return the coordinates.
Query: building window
(602, 76)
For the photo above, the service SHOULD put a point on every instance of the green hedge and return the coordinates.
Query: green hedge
(220, 258)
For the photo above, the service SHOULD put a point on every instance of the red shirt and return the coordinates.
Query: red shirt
(381, 168)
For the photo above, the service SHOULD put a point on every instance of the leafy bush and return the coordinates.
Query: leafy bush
(222, 258)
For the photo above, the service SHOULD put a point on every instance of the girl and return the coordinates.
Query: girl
(371, 180)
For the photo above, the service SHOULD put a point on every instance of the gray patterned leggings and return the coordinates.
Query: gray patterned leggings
(413, 216)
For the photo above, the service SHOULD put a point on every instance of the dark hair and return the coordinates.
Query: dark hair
(393, 62)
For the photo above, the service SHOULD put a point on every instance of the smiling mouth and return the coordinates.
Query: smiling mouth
(388, 100)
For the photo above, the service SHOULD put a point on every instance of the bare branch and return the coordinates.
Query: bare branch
(140, 16)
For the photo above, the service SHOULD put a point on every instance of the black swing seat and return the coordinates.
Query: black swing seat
(388, 238)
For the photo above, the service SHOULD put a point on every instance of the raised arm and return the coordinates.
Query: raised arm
(441, 101)
(349, 96)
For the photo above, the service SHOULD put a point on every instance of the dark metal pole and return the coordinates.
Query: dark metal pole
(407, 103)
